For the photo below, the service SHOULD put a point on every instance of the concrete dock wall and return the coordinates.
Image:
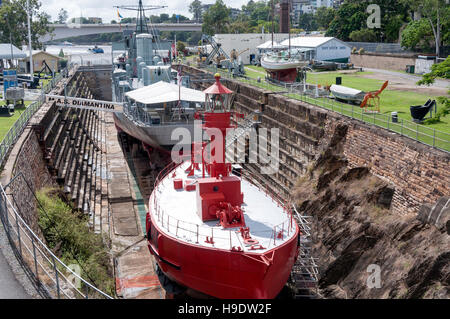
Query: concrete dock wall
(419, 173)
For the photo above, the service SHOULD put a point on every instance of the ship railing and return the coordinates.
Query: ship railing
(197, 234)
(175, 226)
(53, 278)
(143, 118)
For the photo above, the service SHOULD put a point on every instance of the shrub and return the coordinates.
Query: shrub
(67, 234)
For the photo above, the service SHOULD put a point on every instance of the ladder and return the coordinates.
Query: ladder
(216, 49)
(305, 272)
(246, 126)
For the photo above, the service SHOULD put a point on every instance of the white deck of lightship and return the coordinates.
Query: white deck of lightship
(175, 212)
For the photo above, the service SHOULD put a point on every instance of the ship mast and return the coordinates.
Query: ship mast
(273, 22)
(141, 22)
(289, 27)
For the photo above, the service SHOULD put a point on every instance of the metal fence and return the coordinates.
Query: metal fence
(48, 272)
(417, 132)
(19, 126)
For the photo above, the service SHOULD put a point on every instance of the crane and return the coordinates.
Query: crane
(372, 99)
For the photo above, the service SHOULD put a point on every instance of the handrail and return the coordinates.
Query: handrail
(14, 223)
(422, 134)
(165, 219)
(19, 126)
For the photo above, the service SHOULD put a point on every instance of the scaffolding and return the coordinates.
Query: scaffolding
(305, 272)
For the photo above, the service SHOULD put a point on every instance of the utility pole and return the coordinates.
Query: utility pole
(29, 40)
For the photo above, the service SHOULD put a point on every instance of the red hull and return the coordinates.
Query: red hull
(223, 274)
(289, 75)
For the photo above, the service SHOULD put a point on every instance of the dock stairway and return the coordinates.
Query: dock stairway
(75, 144)
(245, 126)
(305, 272)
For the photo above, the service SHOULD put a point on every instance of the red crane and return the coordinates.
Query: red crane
(372, 99)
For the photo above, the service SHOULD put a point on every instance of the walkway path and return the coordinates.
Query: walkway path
(10, 288)
(411, 77)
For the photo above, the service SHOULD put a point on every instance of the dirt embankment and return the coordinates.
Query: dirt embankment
(354, 229)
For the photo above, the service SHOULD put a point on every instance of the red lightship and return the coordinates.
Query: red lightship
(212, 231)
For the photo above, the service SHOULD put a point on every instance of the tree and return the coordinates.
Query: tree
(417, 35)
(434, 11)
(13, 21)
(216, 19)
(196, 9)
(113, 22)
(307, 22)
(164, 17)
(364, 35)
(438, 70)
(63, 15)
(181, 47)
(324, 16)
(441, 70)
(352, 16)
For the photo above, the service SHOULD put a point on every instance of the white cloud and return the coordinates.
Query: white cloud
(105, 8)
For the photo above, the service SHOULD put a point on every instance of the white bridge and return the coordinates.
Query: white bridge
(62, 31)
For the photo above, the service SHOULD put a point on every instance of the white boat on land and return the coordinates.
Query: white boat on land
(347, 94)
(281, 61)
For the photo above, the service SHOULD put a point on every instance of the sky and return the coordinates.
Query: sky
(105, 8)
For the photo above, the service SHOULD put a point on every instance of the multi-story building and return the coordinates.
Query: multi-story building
(95, 20)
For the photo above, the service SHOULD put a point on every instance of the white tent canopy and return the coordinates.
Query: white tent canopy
(5, 52)
(164, 92)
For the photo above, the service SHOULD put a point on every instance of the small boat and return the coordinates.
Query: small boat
(281, 61)
(282, 66)
(324, 66)
(418, 112)
(67, 44)
(347, 94)
(96, 50)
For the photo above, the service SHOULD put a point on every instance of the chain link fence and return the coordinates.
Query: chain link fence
(19, 126)
(52, 277)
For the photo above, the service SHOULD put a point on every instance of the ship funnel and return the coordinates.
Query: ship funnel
(128, 69)
(146, 73)
(144, 44)
(141, 68)
(139, 60)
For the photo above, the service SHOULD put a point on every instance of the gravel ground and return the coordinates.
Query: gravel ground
(14, 282)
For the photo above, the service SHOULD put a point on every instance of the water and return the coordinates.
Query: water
(80, 54)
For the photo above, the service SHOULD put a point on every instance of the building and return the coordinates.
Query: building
(299, 7)
(324, 48)
(5, 55)
(95, 20)
(235, 13)
(40, 60)
(247, 44)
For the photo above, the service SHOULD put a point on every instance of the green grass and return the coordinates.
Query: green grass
(256, 68)
(399, 101)
(7, 122)
(391, 100)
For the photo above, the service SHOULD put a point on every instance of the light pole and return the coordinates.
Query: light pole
(29, 40)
